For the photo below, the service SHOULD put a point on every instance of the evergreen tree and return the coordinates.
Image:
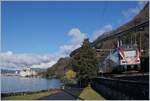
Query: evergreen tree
(85, 62)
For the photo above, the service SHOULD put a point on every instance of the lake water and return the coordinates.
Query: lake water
(24, 84)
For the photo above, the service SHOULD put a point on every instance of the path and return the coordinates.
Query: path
(67, 94)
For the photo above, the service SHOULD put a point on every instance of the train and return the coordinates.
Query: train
(123, 58)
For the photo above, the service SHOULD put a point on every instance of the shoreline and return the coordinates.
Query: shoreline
(30, 92)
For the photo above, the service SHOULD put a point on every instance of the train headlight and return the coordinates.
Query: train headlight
(123, 61)
(142, 50)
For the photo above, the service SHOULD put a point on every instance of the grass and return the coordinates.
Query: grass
(89, 94)
(28, 96)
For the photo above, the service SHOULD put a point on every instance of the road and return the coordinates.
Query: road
(67, 94)
(59, 96)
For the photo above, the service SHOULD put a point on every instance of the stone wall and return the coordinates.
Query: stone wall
(121, 89)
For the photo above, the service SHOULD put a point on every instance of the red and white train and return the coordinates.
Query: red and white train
(121, 59)
(129, 56)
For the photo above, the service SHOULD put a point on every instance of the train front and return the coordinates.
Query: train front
(129, 58)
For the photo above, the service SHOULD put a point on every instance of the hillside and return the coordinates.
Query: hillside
(142, 16)
(58, 68)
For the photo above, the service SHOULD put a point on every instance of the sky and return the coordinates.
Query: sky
(39, 33)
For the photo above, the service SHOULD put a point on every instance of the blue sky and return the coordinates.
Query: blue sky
(42, 27)
(37, 34)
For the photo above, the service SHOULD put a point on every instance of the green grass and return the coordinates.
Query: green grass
(89, 94)
(27, 96)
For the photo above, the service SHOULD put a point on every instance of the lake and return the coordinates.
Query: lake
(23, 84)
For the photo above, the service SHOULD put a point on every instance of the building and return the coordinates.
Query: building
(26, 72)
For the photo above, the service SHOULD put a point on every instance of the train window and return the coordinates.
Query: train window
(130, 53)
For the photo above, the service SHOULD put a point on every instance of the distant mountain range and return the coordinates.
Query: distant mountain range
(38, 69)
(4, 71)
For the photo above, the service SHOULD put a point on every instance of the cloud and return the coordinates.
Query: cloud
(134, 11)
(101, 31)
(44, 65)
(12, 60)
(77, 36)
(75, 42)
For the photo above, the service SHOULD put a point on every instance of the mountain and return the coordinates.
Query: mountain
(38, 69)
(5, 71)
(58, 68)
(141, 17)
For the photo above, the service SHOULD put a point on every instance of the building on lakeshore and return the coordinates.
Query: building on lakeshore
(27, 72)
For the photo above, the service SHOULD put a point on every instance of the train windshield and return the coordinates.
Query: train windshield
(130, 53)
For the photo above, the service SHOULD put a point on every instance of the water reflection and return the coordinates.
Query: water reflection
(22, 84)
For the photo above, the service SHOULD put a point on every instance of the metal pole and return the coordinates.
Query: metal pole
(140, 40)
(135, 38)
(131, 39)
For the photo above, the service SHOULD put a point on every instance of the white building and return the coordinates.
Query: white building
(27, 72)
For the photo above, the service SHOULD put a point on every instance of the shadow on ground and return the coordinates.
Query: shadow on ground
(69, 93)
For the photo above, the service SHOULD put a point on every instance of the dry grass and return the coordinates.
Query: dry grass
(89, 94)
(28, 96)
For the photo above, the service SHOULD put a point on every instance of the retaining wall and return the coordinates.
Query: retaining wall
(121, 89)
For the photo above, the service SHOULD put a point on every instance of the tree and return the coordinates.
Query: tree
(85, 62)
(70, 74)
